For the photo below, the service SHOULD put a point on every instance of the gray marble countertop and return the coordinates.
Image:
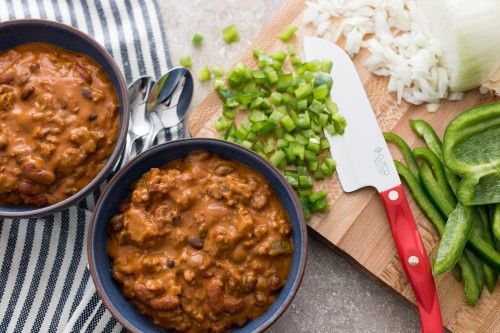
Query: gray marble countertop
(334, 295)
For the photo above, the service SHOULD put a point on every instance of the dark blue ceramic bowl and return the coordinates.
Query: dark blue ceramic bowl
(16, 32)
(119, 188)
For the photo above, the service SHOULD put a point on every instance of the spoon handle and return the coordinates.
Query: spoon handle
(155, 129)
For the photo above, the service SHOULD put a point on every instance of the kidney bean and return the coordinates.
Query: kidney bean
(242, 322)
(37, 200)
(275, 283)
(84, 74)
(249, 282)
(27, 92)
(35, 67)
(33, 170)
(6, 101)
(165, 303)
(260, 298)
(8, 77)
(216, 328)
(233, 304)
(142, 293)
(30, 189)
(116, 223)
(223, 170)
(215, 294)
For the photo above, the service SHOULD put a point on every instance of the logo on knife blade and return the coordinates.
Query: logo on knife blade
(380, 162)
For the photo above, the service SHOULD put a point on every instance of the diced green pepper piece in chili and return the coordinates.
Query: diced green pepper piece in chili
(287, 33)
(230, 34)
(470, 148)
(197, 39)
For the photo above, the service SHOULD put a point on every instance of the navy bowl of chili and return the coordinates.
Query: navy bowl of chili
(23, 32)
(118, 190)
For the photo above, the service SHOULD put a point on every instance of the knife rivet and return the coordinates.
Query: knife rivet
(393, 195)
(413, 260)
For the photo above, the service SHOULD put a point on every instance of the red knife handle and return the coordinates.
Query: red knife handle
(413, 256)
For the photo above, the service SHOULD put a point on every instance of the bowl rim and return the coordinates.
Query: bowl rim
(303, 231)
(33, 212)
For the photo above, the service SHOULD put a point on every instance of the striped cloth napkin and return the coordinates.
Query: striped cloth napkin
(45, 285)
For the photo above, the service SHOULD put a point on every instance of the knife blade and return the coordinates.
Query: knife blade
(363, 159)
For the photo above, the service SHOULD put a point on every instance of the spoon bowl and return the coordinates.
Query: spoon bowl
(169, 101)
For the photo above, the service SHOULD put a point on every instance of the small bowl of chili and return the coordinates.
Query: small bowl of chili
(197, 235)
(63, 116)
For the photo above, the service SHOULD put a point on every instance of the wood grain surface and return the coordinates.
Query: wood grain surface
(356, 224)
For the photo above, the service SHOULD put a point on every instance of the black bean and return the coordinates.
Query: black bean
(93, 116)
(176, 221)
(196, 242)
(171, 263)
(86, 93)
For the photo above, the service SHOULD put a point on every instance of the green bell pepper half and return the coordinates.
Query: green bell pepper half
(471, 149)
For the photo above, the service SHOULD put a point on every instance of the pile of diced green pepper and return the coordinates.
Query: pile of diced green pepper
(285, 116)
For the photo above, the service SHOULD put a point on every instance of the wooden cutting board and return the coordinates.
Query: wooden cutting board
(356, 224)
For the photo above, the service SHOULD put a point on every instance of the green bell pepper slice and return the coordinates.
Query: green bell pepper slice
(471, 149)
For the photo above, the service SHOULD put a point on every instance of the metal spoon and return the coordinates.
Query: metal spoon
(140, 124)
(168, 101)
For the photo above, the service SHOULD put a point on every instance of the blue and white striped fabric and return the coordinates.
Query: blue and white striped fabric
(45, 285)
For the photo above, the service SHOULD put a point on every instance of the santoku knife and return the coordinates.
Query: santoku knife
(363, 159)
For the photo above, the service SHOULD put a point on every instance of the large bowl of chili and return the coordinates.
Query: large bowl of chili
(21, 34)
(119, 189)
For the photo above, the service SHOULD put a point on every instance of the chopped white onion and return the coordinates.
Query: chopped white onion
(401, 43)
